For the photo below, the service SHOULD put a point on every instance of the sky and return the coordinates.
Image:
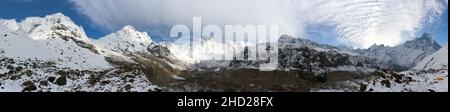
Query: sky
(356, 23)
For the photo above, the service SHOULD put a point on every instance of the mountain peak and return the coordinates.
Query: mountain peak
(392, 57)
(128, 27)
(128, 39)
(131, 32)
(55, 27)
(426, 36)
(53, 22)
(424, 41)
(56, 15)
(59, 18)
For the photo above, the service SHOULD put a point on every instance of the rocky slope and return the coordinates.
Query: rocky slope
(438, 60)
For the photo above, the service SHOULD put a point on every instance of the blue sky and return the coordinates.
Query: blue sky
(95, 27)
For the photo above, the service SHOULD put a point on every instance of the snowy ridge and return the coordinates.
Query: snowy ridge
(438, 60)
(404, 56)
(127, 40)
(288, 41)
(128, 45)
(51, 26)
(8, 25)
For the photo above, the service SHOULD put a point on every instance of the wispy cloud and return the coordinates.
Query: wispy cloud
(360, 23)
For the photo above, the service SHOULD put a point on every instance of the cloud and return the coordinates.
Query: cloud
(359, 23)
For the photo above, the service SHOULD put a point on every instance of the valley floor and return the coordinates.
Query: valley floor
(123, 79)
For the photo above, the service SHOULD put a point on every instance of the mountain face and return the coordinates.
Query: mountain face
(438, 60)
(294, 54)
(305, 55)
(128, 40)
(52, 38)
(401, 57)
(135, 46)
(51, 53)
(287, 41)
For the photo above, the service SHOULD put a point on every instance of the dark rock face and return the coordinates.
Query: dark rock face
(158, 50)
(74, 37)
(307, 59)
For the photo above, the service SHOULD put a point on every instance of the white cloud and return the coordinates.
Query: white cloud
(360, 23)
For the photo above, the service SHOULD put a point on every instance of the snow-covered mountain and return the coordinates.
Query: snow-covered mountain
(305, 55)
(52, 53)
(132, 46)
(127, 40)
(293, 54)
(289, 41)
(53, 38)
(404, 56)
(438, 60)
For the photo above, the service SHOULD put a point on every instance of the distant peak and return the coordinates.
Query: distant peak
(130, 33)
(424, 41)
(426, 36)
(376, 45)
(129, 27)
(286, 37)
(57, 16)
(130, 30)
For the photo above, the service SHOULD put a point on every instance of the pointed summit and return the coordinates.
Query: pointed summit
(126, 40)
(55, 25)
(128, 28)
(130, 32)
(426, 36)
(57, 16)
(424, 42)
(403, 56)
